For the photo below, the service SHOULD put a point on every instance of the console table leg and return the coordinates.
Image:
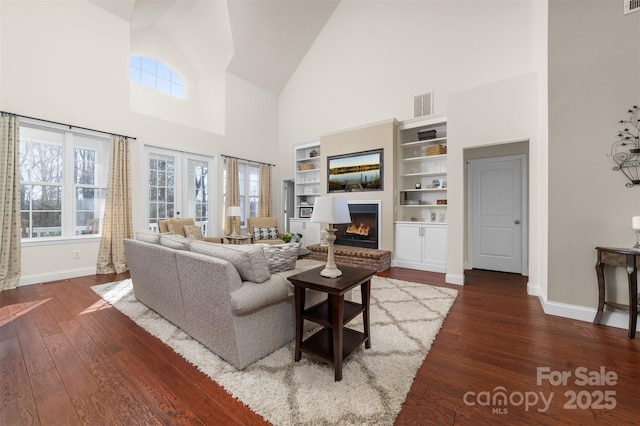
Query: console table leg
(600, 275)
(632, 272)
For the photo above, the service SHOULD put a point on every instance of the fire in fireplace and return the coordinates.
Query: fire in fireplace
(363, 229)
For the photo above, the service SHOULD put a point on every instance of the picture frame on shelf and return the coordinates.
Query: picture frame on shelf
(305, 212)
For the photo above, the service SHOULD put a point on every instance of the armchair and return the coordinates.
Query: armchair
(264, 222)
(176, 226)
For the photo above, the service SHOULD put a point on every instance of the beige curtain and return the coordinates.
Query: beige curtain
(232, 191)
(10, 230)
(264, 209)
(117, 215)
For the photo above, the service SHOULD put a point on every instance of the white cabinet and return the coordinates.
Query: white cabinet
(310, 231)
(422, 169)
(307, 186)
(420, 246)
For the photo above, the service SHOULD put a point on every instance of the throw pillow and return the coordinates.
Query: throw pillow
(248, 259)
(171, 228)
(265, 234)
(193, 232)
(148, 237)
(173, 241)
(281, 257)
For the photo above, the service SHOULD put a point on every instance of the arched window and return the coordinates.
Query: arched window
(155, 75)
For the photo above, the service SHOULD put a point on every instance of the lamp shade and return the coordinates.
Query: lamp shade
(234, 211)
(331, 210)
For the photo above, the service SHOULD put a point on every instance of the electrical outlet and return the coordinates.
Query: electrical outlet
(76, 254)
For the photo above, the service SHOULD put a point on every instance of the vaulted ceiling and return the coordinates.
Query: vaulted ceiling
(270, 37)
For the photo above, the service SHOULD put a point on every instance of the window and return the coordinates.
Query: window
(155, 75)
(178, 186)
(54, 163)
(249, 179)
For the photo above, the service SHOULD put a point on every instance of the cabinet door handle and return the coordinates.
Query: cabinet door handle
(517, 222)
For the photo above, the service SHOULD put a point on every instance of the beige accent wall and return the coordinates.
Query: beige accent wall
(593, 80)
(377, 135)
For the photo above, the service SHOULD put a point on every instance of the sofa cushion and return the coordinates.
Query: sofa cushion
(265, 233)
(251, 296)
(248, 259)
(177, 242)
(148, 237)
(193, 232)
(281, 257)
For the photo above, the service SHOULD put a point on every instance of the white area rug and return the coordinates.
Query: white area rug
(405, 319)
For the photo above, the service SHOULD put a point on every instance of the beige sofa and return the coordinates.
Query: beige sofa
(224, 296)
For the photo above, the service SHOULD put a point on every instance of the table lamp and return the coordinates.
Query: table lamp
(331, 210)
(635, 224)
(234, 212)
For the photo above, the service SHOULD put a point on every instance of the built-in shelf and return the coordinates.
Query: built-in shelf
(307, 181)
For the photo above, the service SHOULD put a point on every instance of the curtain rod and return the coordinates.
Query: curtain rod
(250, 161)
(70, 126)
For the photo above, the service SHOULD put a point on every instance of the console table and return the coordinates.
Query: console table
(629, 258)
(334, 342)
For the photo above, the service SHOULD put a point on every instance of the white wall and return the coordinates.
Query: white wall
(373, 57)
(506, 111)
(69, 62)
(593, 80)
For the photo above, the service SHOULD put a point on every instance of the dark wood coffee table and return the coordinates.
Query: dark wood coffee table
(334, 342)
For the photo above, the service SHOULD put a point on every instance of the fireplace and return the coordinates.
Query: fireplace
(363, 229)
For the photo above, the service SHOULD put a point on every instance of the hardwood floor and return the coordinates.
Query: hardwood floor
(68, 358)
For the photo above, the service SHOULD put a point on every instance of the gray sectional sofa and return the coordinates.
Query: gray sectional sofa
(225, 296)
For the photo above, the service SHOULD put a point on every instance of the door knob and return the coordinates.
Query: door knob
(517, 222)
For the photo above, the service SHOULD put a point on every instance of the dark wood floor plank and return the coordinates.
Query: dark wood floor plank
(158, 398)
(17, 405)
(53, 402)
(36, 355)
(46, 323)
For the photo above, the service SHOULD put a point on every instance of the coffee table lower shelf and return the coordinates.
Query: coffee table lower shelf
(320, 345)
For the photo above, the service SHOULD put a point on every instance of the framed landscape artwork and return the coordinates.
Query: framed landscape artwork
(359, 171)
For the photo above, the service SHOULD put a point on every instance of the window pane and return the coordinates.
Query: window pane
(85, 198)
(47, 224)
(46, 197)
(25, 197)
(148, 65)
(85, 166)
(163, 71)
(134, 61)
(148, 80)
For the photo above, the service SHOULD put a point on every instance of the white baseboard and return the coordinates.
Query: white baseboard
(56, 276)
(454, 279)
(581, 313)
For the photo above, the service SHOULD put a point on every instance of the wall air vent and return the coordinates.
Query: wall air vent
(423, 104)
(631, 6)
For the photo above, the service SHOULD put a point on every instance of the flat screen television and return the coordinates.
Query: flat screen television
(356, 172)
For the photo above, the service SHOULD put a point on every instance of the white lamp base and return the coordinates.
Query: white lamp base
(234, 231)
(331, 270)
